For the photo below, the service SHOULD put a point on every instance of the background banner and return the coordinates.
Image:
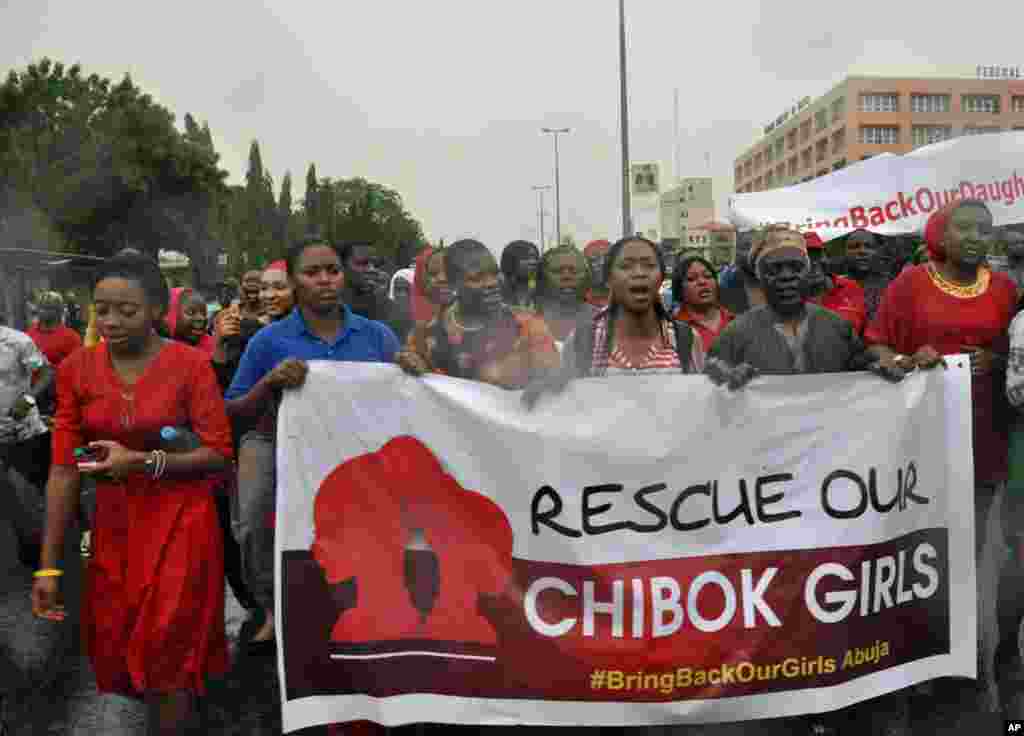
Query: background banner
(635, 551)
(894, 195)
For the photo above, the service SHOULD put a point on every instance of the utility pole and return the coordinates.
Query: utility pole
(540, 189)
(627, 225)
(558, 197)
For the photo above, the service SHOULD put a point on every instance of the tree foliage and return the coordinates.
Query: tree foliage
(93, 166)
(102, 165)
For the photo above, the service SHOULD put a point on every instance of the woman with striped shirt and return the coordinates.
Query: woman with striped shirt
(634, 335)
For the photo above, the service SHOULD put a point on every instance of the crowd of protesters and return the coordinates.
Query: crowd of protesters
(171, 410)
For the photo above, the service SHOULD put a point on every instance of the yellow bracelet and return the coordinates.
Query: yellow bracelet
(49, 572)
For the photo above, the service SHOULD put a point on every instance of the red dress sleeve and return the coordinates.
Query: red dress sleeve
(894, 321)
(67, 422)
(206, 412)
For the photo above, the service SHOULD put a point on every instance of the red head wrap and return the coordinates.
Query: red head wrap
(277, 266)
(935, 228)
(813, 241)
(423, 310)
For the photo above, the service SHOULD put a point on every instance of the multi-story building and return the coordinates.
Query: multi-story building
(690, 203)
(863, 116)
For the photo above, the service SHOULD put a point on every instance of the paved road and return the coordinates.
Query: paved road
(59, 695)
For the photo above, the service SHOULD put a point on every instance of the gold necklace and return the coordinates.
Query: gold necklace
(961, 291)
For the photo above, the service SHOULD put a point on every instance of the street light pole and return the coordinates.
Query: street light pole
(624, 119)
(558, 196)
(540, 211)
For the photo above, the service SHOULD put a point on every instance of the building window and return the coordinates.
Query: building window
(980, 103)
(780, 148)
(821, 119)
(1017, 103)
(980, 129)
(838, 109)
(805, 131)
(880, 135)
(821, 149)
(806, 158)
(922, 135)
(929, 103)
(885, 102)
(792, 166)
(838, 141)
(791, 139)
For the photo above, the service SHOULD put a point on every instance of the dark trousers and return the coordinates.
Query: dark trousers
(233, 556)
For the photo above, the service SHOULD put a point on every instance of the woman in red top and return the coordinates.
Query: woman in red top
(430, 292)
(153, 614)
(695, 290)
(186, 320)
(956, 304)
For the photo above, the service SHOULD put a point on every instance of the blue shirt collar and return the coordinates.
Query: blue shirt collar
(352, 323)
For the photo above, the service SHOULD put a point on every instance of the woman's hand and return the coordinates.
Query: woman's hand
(290, 373)
(891, 367)
(928, 357)
(228, 324)
(46, 599)
(412, 363)
(116, 460)
(982, 359)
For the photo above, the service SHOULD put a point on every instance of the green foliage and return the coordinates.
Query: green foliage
(101, 164)
(357, 209)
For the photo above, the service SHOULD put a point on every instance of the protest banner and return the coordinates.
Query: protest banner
(634, 551)
(894, 195)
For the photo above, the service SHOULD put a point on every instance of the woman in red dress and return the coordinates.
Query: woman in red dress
(695, 290)
(956, 304)
(153, 614)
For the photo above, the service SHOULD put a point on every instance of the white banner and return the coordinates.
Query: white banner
(635, 551)
(894, 195)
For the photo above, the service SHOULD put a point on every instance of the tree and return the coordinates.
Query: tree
(312, 199)
(368, 211)
(101, 163)
(284, 215)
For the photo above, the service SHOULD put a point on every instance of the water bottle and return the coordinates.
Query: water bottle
(179, 439)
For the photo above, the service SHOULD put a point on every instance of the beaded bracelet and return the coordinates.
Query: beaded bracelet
(48, 572)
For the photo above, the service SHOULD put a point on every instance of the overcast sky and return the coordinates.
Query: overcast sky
(443, 100)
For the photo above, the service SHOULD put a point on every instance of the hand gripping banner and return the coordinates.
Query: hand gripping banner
(634, 551)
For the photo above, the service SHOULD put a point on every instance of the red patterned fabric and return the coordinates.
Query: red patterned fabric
(153, 611)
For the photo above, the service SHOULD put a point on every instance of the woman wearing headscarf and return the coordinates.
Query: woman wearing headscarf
(186, 320)
(400, 294)
(695, 290)
(430, 292)
(956, 304)
(561, 288)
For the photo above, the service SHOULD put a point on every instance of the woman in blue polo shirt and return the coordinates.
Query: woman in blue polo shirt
(320, 327)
